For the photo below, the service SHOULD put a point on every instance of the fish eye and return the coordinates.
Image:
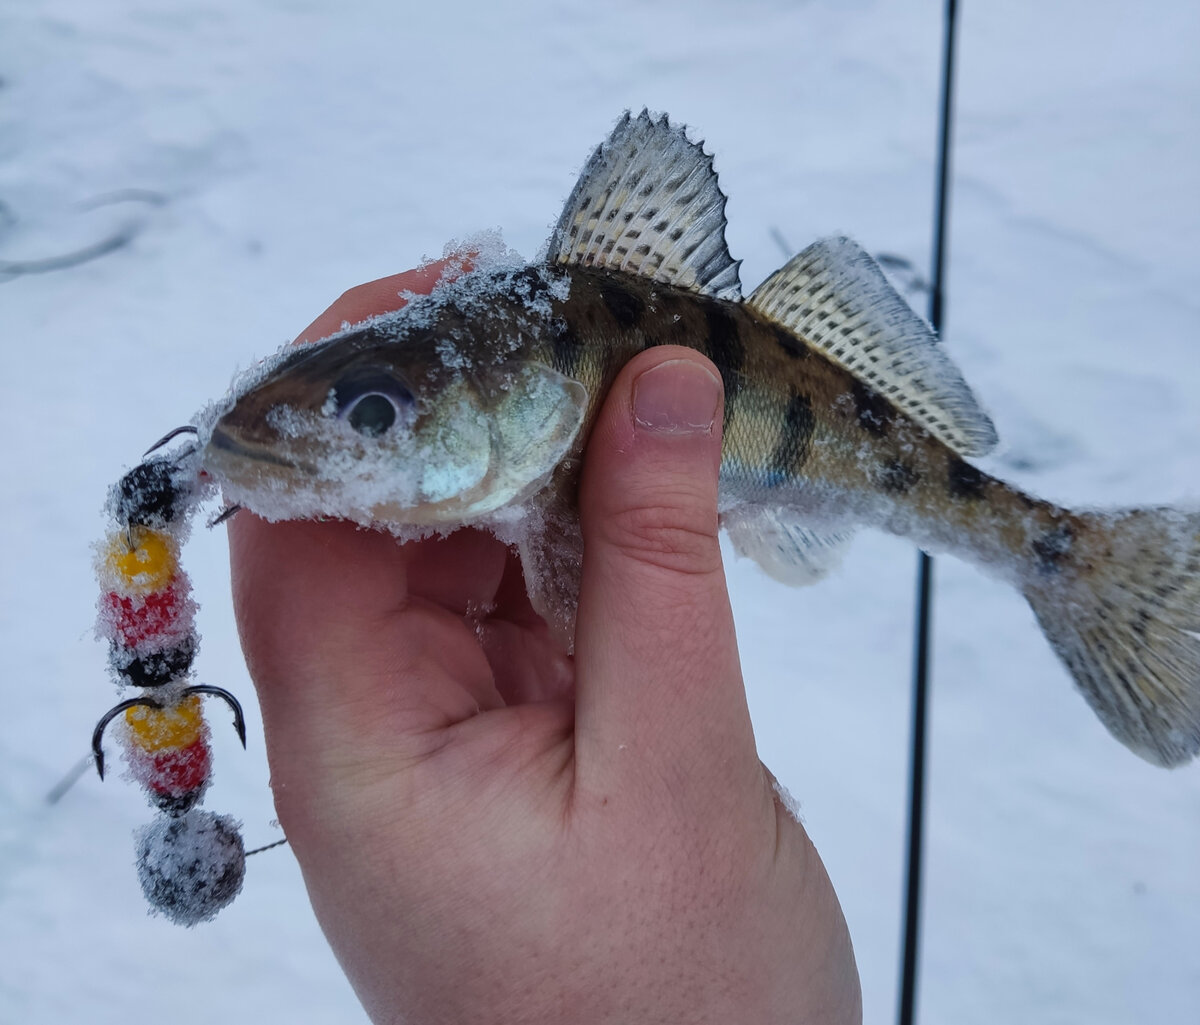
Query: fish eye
(372, 414)
(371, 403)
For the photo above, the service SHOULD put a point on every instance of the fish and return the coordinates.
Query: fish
(472, 407)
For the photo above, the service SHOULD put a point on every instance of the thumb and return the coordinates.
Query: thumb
(657, 671)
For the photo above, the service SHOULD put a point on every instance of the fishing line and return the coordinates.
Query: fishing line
(267, 847)
(920, 688)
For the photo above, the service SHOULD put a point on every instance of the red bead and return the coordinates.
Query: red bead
(182, 770)
(133, 621)
(173, 771)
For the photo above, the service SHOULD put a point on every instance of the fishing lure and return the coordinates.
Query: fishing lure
(191, 862)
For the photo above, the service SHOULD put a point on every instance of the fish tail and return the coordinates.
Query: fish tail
(1118, 596)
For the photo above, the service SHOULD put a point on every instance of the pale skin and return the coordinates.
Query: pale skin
(492, 831)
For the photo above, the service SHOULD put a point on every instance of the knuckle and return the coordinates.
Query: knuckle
(666, 537)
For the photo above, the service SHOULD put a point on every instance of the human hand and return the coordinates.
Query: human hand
(492, 831)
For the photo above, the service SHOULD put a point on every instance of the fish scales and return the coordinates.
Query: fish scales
(799, 428)
(473, 406)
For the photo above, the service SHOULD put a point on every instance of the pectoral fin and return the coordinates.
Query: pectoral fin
(552, 561)
(785, 548)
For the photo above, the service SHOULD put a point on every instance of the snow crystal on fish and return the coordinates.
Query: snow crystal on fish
(841, 410)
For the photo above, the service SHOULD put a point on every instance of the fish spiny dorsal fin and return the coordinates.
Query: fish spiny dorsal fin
(835, 297)
(647, 202)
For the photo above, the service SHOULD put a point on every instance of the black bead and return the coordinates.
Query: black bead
(151, 494)
(156, 667)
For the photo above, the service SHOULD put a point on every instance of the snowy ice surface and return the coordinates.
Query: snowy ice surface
(300, 147)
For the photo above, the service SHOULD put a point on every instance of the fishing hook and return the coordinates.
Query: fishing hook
(239, 721)
(112, 713)
(223, 515)
(185, 429)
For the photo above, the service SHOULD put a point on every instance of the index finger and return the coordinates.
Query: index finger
(385, 295)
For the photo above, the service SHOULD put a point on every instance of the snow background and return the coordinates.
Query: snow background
(288, 149)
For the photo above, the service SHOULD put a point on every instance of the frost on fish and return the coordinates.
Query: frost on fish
(420, 429)
(473, 405)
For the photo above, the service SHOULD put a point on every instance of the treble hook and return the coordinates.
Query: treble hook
(185, 429)
(223, 515)
(239, 721)
(112, 713)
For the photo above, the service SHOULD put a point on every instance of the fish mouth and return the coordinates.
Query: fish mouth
(224, 442)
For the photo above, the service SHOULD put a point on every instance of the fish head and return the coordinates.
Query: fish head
(395, 432)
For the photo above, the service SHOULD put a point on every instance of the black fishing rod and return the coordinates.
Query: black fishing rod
(920, 688)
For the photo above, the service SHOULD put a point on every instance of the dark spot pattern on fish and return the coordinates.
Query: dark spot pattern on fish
(1143, 623)
(896, 477)
(789, 343)
(963, 480)
(874, 412)
(726, 349)
(626, 308)
(1053, 547)
(791, 454)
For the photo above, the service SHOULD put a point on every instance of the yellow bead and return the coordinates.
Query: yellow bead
(149, 565)
(156, 729)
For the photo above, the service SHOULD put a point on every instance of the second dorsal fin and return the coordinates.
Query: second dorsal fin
(647, 202)
(835, 297)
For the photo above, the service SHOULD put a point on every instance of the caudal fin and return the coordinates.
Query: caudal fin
(1118, 595)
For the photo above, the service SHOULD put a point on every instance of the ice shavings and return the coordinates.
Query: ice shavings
(790, 804)
(482, 251)
(370, 480)
(525, 292)
(476, 427)
(529, 293)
